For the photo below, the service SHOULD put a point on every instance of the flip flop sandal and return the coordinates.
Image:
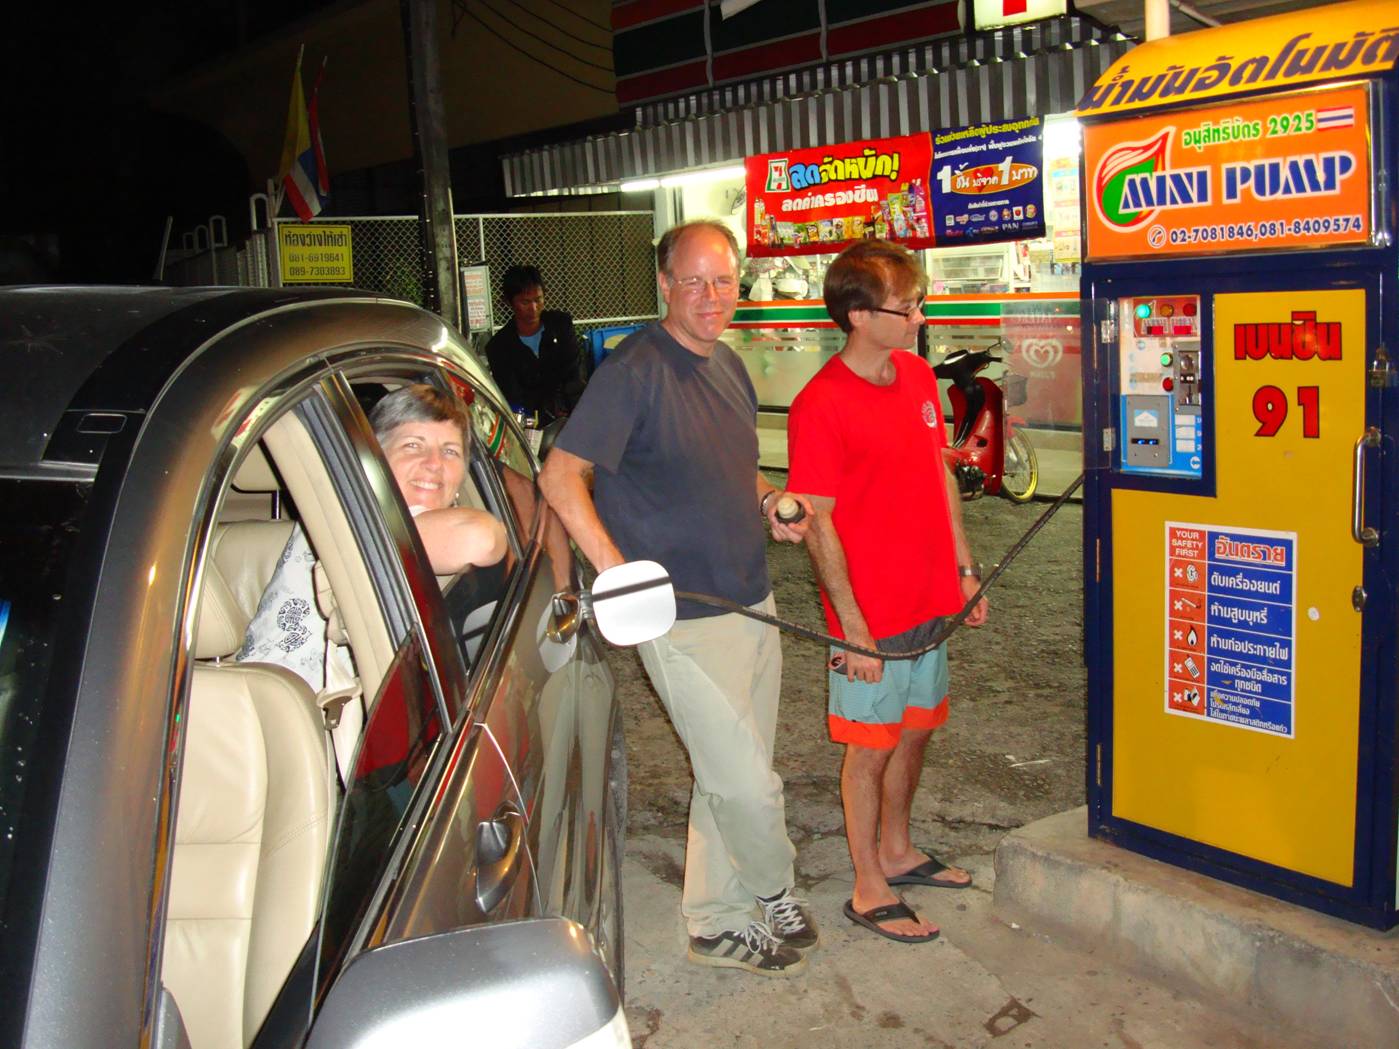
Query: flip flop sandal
(871, 918)
(926, 874)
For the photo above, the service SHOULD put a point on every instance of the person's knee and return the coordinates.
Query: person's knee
(867, 761)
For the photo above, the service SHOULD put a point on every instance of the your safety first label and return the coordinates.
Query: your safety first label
(1291, 171)
(1230, 625)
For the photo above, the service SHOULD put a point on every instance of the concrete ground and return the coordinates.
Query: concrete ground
(984, 982)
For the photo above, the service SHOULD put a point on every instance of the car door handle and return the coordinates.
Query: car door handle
(500, 852)
(567, 617)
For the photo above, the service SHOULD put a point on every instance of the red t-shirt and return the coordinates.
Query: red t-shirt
(877, 450)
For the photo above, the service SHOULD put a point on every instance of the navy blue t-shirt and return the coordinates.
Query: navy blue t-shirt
(673, 437)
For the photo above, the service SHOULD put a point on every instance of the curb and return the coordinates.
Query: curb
(1240, 948)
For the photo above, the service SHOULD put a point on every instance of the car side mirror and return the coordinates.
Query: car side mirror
(633, 602)
(518, 985)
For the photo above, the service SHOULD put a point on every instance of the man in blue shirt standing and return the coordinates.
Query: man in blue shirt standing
(667, 430)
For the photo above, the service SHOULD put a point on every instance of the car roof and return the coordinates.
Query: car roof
(108, 348)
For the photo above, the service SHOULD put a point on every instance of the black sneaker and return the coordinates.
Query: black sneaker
(754, 948)
(790, 921)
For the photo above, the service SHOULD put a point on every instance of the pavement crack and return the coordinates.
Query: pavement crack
(1392, 1003)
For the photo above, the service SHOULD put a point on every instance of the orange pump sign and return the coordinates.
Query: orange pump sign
(1284, 172)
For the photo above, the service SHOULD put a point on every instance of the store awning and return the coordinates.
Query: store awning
(1035, 70)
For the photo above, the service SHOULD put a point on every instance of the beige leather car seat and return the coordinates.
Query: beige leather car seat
(252, 826)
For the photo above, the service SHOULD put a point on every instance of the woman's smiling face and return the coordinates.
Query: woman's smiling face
(428, 460)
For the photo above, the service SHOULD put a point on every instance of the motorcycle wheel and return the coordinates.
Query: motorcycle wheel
(1022, 470)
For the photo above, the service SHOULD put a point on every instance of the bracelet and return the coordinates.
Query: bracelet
(763, 503)
(971, 571)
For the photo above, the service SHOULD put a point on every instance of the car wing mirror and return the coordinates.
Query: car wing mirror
(632, 602)
(517, 985)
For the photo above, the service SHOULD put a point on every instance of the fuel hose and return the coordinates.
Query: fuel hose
(949, 625)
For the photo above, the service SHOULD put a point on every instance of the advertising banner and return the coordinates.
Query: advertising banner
(315, 253)
(1291, 171)
(816, 201)
(987, 182)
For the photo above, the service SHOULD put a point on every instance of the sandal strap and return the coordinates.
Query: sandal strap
(889, 912)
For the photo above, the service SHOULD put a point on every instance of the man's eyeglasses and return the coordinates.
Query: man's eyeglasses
(696, 285)
(916, 308)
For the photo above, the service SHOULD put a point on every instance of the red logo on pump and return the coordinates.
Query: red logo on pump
(1301, 340)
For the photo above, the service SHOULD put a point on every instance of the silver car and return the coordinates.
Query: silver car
(196, 851)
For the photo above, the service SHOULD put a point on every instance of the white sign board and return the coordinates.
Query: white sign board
(988, 14)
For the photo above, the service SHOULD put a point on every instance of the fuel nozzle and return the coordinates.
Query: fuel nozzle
(789, 511)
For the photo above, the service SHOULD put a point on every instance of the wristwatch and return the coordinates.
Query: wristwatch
(763, 503)
(972, 571)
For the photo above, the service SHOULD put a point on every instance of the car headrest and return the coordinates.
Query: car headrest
(222, 622)
(255, 473)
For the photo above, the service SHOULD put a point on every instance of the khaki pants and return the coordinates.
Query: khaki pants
(720, 680)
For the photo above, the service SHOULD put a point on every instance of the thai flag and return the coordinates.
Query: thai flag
(1335, 117)
(303, 170)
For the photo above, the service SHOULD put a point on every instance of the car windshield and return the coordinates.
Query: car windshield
(36, 546)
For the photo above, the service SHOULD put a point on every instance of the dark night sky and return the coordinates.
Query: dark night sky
(90, 170)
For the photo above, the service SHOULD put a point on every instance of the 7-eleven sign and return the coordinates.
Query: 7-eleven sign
(988, 14)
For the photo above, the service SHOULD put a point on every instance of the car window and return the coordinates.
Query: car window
(498, 480)
(36, 551)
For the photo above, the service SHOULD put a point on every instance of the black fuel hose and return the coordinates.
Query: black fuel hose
(946, 629)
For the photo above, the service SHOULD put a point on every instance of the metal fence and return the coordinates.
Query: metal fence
(599, 266)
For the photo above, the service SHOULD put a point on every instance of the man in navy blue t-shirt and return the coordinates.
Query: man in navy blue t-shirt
(667, 430)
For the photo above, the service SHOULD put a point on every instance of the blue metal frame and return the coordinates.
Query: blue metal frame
(1371, 899)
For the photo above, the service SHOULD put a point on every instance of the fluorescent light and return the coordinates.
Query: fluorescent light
(640, 184)
(1062, 137)
(707, 175)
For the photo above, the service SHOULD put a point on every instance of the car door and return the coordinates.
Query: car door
(464, 857)
(418, 756)
(548, 701)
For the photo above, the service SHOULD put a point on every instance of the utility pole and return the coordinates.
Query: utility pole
(437, 239)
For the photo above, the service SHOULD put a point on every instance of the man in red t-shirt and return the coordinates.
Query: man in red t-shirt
(865, 439)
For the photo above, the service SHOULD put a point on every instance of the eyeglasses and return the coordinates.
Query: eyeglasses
(916, 308)
(696, 285)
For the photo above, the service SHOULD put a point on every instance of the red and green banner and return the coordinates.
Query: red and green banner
(816, 201)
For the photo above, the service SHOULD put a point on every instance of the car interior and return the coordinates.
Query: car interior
(269, 759)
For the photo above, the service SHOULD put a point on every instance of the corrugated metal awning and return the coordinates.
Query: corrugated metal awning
(907, 92)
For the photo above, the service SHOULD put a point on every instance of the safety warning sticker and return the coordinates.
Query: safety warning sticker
(1230, 625)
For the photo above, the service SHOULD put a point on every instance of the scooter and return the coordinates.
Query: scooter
(987, 454)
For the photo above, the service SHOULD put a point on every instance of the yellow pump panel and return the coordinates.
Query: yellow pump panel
(1289, 408)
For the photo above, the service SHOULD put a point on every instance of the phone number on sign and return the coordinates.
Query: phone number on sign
(1277, 229)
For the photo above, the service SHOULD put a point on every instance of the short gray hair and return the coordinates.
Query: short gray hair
(418, 403)
(666, 246)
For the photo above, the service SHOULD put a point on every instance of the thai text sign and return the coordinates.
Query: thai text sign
(815, 201)
(315, 253)
(1299, 47)
(987, 182)
(1231, 625)
(1291, 171)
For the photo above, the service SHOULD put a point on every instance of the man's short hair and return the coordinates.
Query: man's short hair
(867, 273)
(520, 279)
(671, 237)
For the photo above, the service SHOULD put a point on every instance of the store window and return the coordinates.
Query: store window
(1025, 292)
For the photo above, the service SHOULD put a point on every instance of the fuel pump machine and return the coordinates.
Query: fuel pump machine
(1241, 548)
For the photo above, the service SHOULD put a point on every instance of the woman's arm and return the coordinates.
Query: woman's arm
(458, 537)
